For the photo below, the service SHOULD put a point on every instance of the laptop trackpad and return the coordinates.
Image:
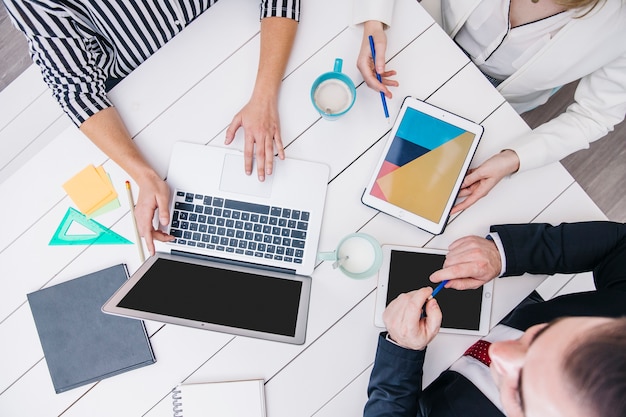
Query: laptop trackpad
(235, 180)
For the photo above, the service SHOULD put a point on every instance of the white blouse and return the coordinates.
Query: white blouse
(496, 48)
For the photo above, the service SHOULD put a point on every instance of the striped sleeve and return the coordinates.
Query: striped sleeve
(79, 44)
(62, 47)
(281, 8)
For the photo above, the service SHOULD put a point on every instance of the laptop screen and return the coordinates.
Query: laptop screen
(218, 296)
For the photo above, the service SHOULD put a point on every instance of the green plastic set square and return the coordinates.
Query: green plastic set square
(100, 235)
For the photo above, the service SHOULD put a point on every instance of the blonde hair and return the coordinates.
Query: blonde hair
(577, 4)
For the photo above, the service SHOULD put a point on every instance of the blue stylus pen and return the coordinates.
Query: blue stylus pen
(438, 288)
(382, 95)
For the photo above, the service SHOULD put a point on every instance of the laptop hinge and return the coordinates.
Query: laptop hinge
(233, 262)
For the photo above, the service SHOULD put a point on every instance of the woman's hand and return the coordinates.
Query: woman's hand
(154, 197)
(479, 181)
(367, 66)
(259, 120)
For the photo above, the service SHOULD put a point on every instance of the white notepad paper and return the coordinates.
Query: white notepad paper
(224, 399)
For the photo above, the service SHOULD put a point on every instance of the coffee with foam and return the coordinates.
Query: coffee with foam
(333, 96)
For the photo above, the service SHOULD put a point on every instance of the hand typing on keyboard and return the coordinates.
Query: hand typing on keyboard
(153, 196)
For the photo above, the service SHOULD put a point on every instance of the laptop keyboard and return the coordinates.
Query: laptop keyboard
(248, 229)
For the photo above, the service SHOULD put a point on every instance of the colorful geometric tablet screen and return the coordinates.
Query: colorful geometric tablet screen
(422, 165)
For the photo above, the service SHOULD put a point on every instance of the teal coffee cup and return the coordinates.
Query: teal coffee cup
(333, 93)
(358, 255)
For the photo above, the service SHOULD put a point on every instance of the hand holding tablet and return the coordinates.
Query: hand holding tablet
(422, 167)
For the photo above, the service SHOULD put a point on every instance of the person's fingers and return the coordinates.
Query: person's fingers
(248, 150)
(472, 176)
(437, 276)
(471, 199)
(457, 278)
(279, 144)
(380, 44)
(450, 274)
(149, 244)
(145, 227)
(464, 192)
(462, 284)
(162, 236)
(163, 206)
(417, 300)
(269, 154)
(235, 124)
(260, 158)
(462, 276)
(157, 235)
(144, 215)
(433, 317)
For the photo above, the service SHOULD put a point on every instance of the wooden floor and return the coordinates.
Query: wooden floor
(600, 170)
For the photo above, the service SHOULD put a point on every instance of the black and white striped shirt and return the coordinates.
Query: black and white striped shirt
(79, 44)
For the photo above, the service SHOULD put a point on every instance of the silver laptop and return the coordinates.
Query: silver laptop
(220, 212)
(243, 248)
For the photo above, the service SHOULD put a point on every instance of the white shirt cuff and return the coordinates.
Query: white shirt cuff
(364, 10)
(496, 239)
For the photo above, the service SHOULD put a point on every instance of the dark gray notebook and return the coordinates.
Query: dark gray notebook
(82, 344)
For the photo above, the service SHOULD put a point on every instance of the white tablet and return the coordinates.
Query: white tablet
(407, 268)
(421, 169)
(210, 295)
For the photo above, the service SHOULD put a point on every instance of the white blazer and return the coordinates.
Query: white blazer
(591, 48)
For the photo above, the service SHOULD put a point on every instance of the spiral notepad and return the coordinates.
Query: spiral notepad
(224, 399)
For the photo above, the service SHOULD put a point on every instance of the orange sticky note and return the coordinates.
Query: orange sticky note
(90, 189)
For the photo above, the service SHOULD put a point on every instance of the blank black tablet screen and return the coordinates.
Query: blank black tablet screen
(218, 296)
(409, 271)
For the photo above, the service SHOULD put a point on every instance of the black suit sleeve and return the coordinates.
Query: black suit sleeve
(395, 388)
(395, 382)
(568, 248)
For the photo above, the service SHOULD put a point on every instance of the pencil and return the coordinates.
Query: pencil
(382, 95)
(131, 203)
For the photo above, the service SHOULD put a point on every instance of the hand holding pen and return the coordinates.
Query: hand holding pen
(406, 323)
(367, 66)
(382, 94)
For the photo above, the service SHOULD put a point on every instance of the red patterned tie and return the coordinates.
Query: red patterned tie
(480, 351)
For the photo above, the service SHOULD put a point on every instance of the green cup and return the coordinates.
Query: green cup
(358, 255)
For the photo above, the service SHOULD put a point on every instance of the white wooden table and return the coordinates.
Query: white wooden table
(189, 92)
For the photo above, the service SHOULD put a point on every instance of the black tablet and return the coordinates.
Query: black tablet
(407, 268)
(211, 295)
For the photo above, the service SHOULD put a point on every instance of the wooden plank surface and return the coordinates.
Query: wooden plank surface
(341, 309)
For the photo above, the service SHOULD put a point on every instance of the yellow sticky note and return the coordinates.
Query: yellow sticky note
(90, 189)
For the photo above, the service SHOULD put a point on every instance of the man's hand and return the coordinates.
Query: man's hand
(405, 322)
(479, 181)
(367, 66)
(471, 262)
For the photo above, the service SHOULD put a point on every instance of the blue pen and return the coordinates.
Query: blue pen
(382, 95)
(438, 288)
